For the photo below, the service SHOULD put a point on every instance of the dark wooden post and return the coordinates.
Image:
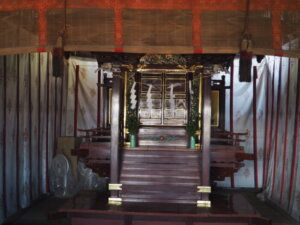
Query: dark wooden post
(115, 130)
(255, 126)
(99, 94)
(105, 107)
(231, 110)
(206, 130)
(76, 101)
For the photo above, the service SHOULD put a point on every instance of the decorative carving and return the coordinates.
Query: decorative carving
(130, 67)
(160, 59)
(185, 60)
(165, 138)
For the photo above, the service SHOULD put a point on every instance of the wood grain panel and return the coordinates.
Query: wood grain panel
(18, 29)
(90, 27)
(222, 28)
(290, 24)
(157, 27)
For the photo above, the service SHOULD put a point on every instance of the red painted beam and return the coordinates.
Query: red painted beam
(42, 27)
(137, 4)
(196, 6)
(76, 101)
(118, 26)
(266, 130)
(295, 140)
(255, 127)
(197, 31)
(276, 32)
(276, 127)
(287, 102)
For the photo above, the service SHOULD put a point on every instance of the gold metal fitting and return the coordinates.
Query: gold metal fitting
(115, 201)
(115, 187)
(203, 204)
(203, 189)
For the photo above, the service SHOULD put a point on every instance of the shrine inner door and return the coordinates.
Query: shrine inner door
(163, 98)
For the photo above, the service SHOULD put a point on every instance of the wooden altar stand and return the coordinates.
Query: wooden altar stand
(92, 209)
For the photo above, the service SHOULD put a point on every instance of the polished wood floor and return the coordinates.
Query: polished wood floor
(39, 212)
(92, 208)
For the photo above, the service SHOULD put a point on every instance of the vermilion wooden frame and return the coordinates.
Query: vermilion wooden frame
(42, 6)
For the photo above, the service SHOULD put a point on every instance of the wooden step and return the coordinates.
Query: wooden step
(152, 200)
(161, 148)
(162, 160)
(171, 195)
(161, 151)
(166, 173)
(160, 187)
(154, 167)
(150, 180)
(157, 155)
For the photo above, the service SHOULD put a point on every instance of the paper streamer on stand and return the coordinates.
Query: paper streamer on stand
(133, 100)
(191, 91)
(149, 99)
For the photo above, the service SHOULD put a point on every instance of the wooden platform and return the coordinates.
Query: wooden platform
(92, 208)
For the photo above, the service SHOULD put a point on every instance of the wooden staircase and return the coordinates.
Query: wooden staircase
(161, 175)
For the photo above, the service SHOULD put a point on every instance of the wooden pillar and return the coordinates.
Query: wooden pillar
(206, 130)
(255, 127)
(231, 111)
(76, 101)
(105, 106)
(222, 104)
(115, 130)
(99, 94)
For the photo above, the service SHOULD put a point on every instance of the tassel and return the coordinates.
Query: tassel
(58, 58)
(245, 60)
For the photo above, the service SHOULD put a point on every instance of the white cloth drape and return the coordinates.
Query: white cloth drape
(243, 122)
(87, 94)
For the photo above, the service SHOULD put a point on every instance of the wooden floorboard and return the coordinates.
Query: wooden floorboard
(37, 214)
(227, 209)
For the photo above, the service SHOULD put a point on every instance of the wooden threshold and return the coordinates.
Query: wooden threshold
(160, 148)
